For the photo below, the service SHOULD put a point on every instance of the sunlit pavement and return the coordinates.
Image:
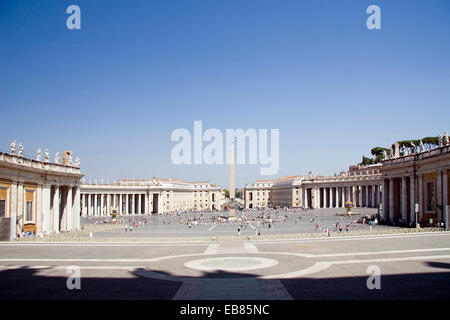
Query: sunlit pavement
(411, 266)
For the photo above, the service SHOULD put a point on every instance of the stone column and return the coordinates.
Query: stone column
(385, 200)
(391, 198)
(444, 190)
(366, 195)
(120, 204)
(63, 201)
(340, 196)
(440, 206)
(160, 204)
(354, 195)
(318, 197)
(133, 204)
(108, 204)
(336, 197)
(95, 205)
(146, 203)
(330, 197)
(346, 194)
(139, 196)
(76, 209)
(55, 213)
(305, 198)
(404, 198)
(102, 205)
(377, 190)
(88, 211)
(83, 199)
(360, 196)
(420, 187)
(69, 209)
(20, 208)
(412, 213)
(127, 203)
(46, 205)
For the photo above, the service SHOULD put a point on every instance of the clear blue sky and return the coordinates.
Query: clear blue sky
(114, 91)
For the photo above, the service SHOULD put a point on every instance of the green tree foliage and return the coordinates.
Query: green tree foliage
(378, 151)
(366, 161)
(433, 141)
(227, 193)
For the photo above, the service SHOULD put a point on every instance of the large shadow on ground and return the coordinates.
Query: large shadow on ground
(26, 283)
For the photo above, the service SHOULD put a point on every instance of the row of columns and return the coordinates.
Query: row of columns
(336, 197)
(403, 193)
(100, 204)
(64, 209)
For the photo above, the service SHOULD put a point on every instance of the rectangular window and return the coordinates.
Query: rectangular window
(29, 211)
(430, 196)
(2, 208)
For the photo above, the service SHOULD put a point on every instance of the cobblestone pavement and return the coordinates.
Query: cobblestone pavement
(411, 266)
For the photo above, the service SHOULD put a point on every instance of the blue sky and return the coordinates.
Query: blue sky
(114, 91)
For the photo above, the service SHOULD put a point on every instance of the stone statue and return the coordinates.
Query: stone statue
(57, 157)
(413, 147)
(440, 140)
(396, 150)
(20, 152)
(38, 156)
(13, 147)
(446, 139)
(421, 146)
(385, 156)
(70, 159)
(46, 156)
(77, 162)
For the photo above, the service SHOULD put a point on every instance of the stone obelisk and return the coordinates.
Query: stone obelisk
(232, 184)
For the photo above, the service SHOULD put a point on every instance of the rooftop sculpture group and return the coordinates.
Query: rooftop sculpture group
(397, 151)
(19, 149)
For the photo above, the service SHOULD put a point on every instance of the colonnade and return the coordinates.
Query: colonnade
(428, 191)
(64, 208)
(101, 204)
(366, 195)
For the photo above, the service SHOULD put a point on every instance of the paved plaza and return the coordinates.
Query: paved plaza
(252, 223)
(412, 266)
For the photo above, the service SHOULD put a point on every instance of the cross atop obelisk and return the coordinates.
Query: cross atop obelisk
(232, 183)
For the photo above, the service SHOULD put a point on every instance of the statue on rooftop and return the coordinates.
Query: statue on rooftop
(38, 156)
(421, 146)
(446, 139)
(20, 152)
(57, 157)
(13, 147)
(413, 147)
(77, 162)
(46, 156)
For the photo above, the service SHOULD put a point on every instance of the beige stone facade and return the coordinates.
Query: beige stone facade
(257, 195)
(38, 196)
(421, 179)
(155, 196)
(362, 187)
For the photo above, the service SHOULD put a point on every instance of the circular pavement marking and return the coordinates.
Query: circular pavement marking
(231, 263)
